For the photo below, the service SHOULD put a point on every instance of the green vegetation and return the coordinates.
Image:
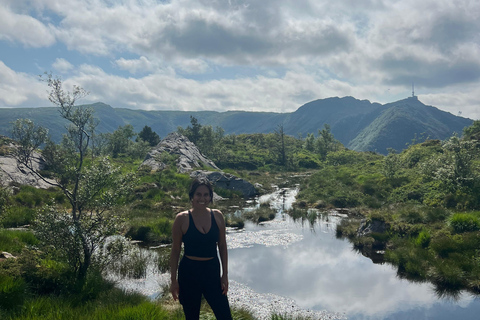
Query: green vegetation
(424, 201)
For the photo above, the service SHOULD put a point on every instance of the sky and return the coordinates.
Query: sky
(250, 55)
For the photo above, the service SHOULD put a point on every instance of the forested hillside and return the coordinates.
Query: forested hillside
(358, 124)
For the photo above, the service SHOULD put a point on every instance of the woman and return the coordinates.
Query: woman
(201, 229)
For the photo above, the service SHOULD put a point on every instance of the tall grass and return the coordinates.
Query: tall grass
(13, 241)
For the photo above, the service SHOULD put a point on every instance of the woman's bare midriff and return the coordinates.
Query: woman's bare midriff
(199, 258)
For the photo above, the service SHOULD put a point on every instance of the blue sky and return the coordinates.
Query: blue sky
(253, 55)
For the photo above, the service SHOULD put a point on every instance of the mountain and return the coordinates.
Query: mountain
(358, 124)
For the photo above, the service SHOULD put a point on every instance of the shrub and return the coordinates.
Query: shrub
(443, 245)
(423, 239)
(18, 216)
(155, 231)
(12, 292)
(435, 214)
(13, 241)
(464, 222)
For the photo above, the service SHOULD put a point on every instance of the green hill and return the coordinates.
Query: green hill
(358, 124)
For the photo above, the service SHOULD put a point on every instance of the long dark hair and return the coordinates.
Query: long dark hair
(200, 182)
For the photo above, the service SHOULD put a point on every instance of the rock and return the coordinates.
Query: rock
(6, 255)
(374, 226)
(226, 181)
(189, 157)
(10, 172)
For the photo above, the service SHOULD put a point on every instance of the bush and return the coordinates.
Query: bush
(155, 231)
(13, 241)
(464, 222)
(12, 292)
(18, 216)
(423, 239)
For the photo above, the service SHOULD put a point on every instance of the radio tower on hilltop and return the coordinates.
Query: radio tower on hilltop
(413, 93)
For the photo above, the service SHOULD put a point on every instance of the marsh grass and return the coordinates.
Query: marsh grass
(13, 241)
(347, 228)
(310, 215)
(151, 231)
(261, 214)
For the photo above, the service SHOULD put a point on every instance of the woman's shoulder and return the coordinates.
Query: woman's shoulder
(217, 213)
(218, 216)
(182, 215)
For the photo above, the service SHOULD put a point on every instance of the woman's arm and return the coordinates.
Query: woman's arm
(222, 248)
(175, 254)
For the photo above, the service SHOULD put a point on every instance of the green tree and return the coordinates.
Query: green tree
(325, 142)
(93, 189)
(310, 142)
(120, 140)
(148, 135)
(29, 138)
(472, 132)
(391, 164)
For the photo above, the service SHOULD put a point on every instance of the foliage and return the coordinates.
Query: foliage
(12, 292)
(5, 193)
(465, 222)
(148, 135)
(208, 140)
(120, 140)
(13, 241)
(153, 231)
(261, 214)
(29, 138)
(391, 164)
(326, 142)
(472, 132)
(92, 188)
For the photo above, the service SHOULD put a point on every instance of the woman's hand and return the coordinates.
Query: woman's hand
(174, 289)
(224, 282)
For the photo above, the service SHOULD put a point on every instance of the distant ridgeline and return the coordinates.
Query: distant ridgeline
(359, 124)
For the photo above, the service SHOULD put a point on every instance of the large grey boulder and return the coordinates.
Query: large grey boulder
(11, 172)
(227, 181)
(189, 157)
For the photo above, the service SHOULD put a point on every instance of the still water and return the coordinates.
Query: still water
(309, 265)
(301, 269)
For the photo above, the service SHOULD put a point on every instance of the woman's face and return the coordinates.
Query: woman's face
(201, 197)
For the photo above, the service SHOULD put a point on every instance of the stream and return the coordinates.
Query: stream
(297, 268)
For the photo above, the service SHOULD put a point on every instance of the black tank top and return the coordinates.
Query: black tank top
(197, 244)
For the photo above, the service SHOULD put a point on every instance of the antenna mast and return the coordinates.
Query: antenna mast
(413, 90)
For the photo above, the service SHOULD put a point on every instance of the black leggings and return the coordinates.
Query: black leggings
(201, 277)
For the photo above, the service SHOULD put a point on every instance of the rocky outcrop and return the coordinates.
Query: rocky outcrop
(227, 181)
(10, 172)
(189, 157)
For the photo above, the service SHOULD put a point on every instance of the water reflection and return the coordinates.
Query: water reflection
(307, 263)
(300, 267)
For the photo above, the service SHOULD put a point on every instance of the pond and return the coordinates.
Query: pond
(309, 265)
(301, 269)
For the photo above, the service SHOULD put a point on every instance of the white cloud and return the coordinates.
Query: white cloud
(24, 29)
(135, 65)
(61, 65)
(309, 49)
(19, 89)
